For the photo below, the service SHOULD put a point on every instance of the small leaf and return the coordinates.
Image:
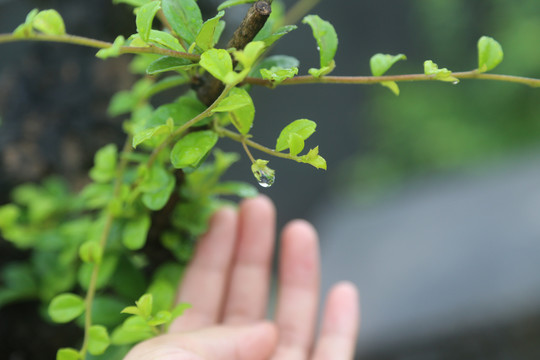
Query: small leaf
(104, 169)
(179, 310)
(67, 354)
(135, 3)
(392, 85)
(313, 158)
(91, 252)
(168, 63)
(162, 317)
(157, 188)
(381, 63)
(185, 18)
(135, 232)
(9, 214)
(145, 18)
(131, 310)
(272, 38)
(296, 144)
(229, 3)
(250, 53)
(277, 75)
(242, 118)
(278, 61)
(49, 22)
(235, 100)
(490, 54)
(217, 62)
(322, 71)
(303, 128)
(134, 329)
(146, 134)
(114, 50)
(165, 39)
(192, 148)
(98, 340)
(26, 29)
(145, 305)
(66, 307)
(326, 37)
(205, 38)
(430, 68)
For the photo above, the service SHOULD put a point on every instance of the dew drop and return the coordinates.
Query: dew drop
(318, 48)
(265, 179)
(455, 82)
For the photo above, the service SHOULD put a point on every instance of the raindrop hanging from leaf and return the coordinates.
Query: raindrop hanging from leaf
(264, 175)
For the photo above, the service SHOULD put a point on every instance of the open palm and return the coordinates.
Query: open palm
(228, 284)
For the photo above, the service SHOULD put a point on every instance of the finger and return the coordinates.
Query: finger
(298, 290)
(253, 342)
(250, 276)
(339, 329)
(206, 277)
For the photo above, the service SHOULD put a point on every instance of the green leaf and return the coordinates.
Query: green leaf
(326, 37)
(181, 111)
(272, 38)
(162, 317)
(165, 39)
(106, 309)
(392, 85)
(296, 144)
(157, 188)
(9, 214)
(145, 18)
(146, 134)
(133, 330)
(250, 53)
(381, 63)
(131, 310)
(26, 30)
(145, 305)
(490, 53)
(242, 118)
(106, 270)
(192, 148)
(98, 340)
(430, 68)
(313, 158)
(278, 61)
(205, 37)
(264, 175)
(217, 62)
(303, 128)
(104, 169)
(229, 3)
(68, 354)
(168, 63)
(135, 232)
(65, 307)
(179, 310)
(277, 75)
(49, 22)
(114, 50)
(235, 100)
(322, 71)
(235, 188)
(185, 18)
(91, 252)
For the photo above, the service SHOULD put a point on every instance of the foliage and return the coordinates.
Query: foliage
(88, 250)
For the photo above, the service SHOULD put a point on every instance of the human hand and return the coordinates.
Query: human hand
(228, 283)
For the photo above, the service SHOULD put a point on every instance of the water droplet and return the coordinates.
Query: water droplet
(455, 82)
(265, 179)
(318, 48)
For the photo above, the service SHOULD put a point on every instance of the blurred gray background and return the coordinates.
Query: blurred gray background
(430, 202)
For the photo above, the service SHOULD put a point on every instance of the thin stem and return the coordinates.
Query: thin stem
(299, 10)
(240, 138)
(102, 243)
(246, 149)
(187, 125)
(298, 80)
(80, 40)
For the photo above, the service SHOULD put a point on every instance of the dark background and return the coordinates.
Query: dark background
(53, 100)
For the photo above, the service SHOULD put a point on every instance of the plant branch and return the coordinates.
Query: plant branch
(307, 79)
(206, 113)
(251, 25)
(83, 41)
(242, 139)
(102, 243)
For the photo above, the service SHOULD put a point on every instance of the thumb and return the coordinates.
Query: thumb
(248, 342)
